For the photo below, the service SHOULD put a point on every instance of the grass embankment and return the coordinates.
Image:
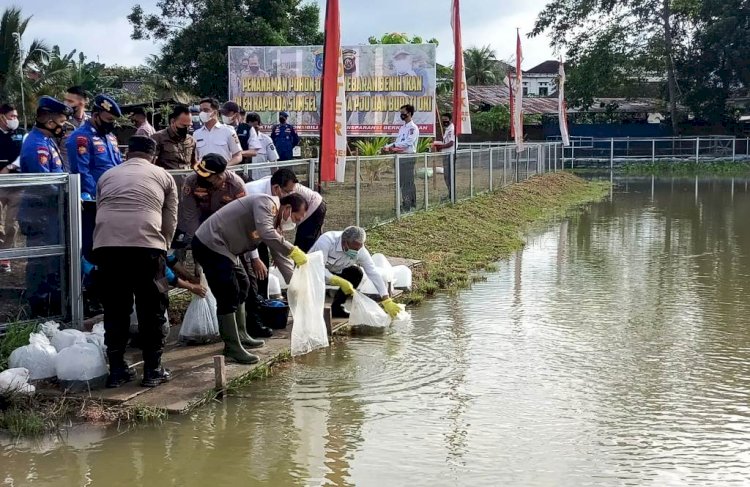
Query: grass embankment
(684, 168)
(456, 242)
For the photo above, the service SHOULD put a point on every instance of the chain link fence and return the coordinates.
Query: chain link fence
(40, 275)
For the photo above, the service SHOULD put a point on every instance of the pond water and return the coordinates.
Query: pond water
(613, 350)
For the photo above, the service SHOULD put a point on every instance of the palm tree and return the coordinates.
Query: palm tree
(481, 66)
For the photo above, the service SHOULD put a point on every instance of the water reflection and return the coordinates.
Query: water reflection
(613, 350)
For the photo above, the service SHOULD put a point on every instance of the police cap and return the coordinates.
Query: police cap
(210, 164)
(230, 107)
(106, 103)
(51, 105)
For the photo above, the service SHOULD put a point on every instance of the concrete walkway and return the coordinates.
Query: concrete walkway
(193, 376)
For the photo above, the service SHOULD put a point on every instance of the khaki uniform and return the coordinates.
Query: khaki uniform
(63, 151)
(172, 152)
(198, 203)
(243, 225)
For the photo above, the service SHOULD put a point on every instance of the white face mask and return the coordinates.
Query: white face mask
(226, 120)
(12, 124)
(206, 116)
(287, 224)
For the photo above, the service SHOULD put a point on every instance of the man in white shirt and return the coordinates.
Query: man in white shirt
(344, 253)
(406, 143)
(447, 146)
(215, 137)
(265, 151)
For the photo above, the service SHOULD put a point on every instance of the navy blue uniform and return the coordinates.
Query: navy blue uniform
(285, 139)
(90, 155)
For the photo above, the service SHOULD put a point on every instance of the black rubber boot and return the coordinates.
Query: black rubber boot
(255, 326)
(242, 329)
(154, 374)
(119, 372)
(337, 306)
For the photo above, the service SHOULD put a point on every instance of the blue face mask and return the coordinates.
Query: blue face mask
(352, 254)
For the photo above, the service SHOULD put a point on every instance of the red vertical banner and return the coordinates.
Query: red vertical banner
(461, 114)
(518, 101)
(333, 104)
(511, 108)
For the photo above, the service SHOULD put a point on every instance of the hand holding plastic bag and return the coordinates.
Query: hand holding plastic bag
(306, 300)
(200, 324)
(38, 357)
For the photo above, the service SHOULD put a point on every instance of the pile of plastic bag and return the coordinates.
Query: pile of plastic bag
(81, 367)
(37, 358)
(15, 380)
(200, 324)
(306, 296)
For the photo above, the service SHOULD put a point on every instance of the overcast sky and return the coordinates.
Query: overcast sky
(105, 33)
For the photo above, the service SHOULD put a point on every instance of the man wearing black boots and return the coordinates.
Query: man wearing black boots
(136, 216)
(344, 253)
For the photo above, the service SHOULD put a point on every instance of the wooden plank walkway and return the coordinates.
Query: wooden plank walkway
(193, 370)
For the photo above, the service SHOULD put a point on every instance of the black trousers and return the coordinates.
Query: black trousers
(308, 232)
(447, 176)
(227, 279)
(406, 178)
(43, 290)
(352, 274)
(124, 273)
(88, 223)
(261, 286)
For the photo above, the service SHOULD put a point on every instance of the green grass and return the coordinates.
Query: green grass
(683, 168)
(16, 335)
(456, 242)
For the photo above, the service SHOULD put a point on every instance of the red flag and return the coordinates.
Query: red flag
(461, 115)
(562, 109)
(332, 104)
(511, 108)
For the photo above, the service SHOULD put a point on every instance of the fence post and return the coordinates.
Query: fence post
(452, 169)
(311, 173)
(505, 166)
(528, 156)
(74, 237)
(398, 186)
(697, 149)
(491, 185)
(572, 154)
(612, 153)
(734, 152)
(426, 183)
(653, 151)
(471, 173)
(357, 192)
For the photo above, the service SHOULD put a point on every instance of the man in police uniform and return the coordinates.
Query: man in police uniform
(225, 237)
(92, 150)
(406, 143)
(284, 137)
(11, 138)
(175, 147)
(215, 137)
(38, 216)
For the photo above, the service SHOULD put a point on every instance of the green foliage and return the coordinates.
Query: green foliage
(373, 169)
(482, 67)
(424, 144)
(400, 38)
(492, 121)
(370, 146)
(196, 34)
(16, 335)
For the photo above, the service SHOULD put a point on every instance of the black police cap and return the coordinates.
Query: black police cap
(210, 164)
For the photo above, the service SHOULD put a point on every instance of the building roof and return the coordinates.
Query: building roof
(547, 67)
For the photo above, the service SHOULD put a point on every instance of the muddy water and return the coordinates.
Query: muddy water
(614, 350)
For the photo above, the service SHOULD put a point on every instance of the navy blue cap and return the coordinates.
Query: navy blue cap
(107, 104)
(49, 104)
(283, 114)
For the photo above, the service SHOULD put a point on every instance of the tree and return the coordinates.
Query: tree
(400, 38)
(622, 41)
(481, 66)
(196, 34)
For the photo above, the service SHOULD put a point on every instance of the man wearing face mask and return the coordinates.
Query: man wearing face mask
(206, 191)
(175, 147)
(406, 143)
(285, 138)
(76, 99)
(346, 256)
(253, 67)
(446, 146)
(38, 218)
(220, 243)
(215, 137)
(230, 113)
(11, 139)
(139, 118)
(92, 150)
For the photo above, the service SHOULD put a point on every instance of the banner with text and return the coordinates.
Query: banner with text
(379, 80)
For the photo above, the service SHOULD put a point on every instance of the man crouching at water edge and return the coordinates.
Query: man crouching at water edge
(228, 234)
(345, 252)
(136, 216)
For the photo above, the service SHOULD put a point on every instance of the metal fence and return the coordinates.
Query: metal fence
(376, 190)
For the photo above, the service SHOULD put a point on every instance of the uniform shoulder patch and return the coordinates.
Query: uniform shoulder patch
(81, 140)
(43, 155)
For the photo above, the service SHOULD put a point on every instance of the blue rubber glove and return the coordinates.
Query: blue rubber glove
(86, 197)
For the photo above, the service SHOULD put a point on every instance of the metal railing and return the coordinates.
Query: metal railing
(375, 190)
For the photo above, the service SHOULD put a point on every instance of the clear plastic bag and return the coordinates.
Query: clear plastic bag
(63, 339)
(306, 300)
(367, 312)
(16, 380)
(38, 357)
(81, 366)
(200, 324)
(401, 277)
(97, 337)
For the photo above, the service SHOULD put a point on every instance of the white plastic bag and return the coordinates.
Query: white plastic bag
(82, 363)
(16, 380)
(366, 313)
(401, 277)
(38, 357)
(368, 287)
(97, 337)
(134, 321)
(274, 287)
(67, 338)
(274, 271)
(200, 324)
(49, 328)
(306, 301)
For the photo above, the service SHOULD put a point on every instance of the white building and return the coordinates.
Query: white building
(541, 79)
